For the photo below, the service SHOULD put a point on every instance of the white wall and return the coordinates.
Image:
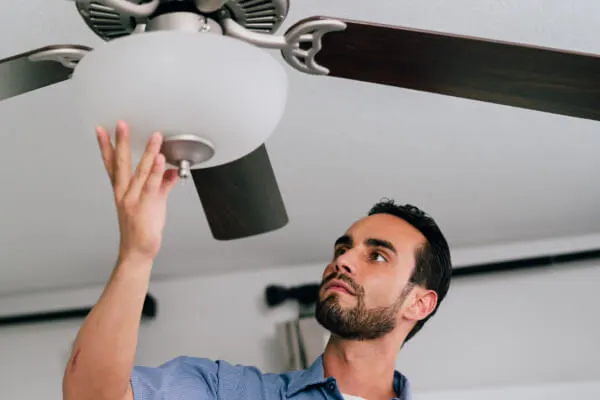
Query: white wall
(502, 330)
(549, 391)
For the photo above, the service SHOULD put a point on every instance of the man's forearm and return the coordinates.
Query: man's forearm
(104, 351)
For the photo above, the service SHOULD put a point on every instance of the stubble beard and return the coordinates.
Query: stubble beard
(358, 322)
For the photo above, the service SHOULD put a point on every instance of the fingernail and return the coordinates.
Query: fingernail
(99, 132)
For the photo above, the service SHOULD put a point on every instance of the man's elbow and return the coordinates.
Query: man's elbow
(78, 387)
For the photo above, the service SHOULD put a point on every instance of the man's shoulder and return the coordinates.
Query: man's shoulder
(224, 368)
(227, 377)
(186, 377)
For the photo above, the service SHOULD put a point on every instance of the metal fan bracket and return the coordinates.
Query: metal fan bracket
(311, 32)
(306, 32)
(68, 56)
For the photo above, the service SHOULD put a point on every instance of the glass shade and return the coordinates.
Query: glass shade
(227, 92)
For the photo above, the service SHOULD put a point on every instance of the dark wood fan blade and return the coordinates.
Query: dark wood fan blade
(241, 198)
(19, 75)
(559, 82)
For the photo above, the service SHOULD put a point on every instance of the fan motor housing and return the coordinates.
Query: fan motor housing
(262, 16)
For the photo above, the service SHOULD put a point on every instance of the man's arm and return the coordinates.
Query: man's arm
(104, 351)
(103, 354)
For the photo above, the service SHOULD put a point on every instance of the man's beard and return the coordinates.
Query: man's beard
(358, 322)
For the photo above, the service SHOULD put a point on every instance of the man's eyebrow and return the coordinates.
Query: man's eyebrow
(345, 240)
(373, 242)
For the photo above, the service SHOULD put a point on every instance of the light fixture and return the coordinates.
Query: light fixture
(213, 97)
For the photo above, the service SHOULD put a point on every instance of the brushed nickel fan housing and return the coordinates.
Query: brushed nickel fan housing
(261, 16)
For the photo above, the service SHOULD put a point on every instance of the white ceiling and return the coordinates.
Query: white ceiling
(489, 174)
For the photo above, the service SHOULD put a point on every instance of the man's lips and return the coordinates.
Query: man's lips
(340, 286)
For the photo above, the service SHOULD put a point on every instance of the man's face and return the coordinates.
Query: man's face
(374, 260)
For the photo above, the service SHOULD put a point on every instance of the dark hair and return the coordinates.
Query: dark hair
(433, 267)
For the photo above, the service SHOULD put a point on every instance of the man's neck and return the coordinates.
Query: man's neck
(362, 368)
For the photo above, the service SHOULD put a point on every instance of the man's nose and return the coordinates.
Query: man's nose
(346, 262)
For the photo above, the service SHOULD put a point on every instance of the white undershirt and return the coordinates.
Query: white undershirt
(350, 397)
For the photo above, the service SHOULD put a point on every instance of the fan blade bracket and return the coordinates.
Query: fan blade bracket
(309, 32)
(291, 43)
(67, 55)
(39, 68)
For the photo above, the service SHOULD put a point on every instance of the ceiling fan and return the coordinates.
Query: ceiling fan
(241, 197)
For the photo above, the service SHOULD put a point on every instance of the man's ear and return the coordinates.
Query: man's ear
(423, 303)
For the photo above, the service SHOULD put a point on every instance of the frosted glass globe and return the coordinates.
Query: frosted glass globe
(228, 92)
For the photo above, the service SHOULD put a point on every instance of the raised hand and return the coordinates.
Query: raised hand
(141, 197)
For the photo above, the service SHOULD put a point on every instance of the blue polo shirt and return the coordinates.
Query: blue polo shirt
(191, 378)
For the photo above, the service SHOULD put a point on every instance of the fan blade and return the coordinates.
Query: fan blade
(19, 74)
(542, 79)
(241, 198)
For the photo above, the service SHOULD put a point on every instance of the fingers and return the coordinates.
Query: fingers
(170, 179)
(160, 181)
(150, 175)
(155, 178)
(146, 166)
(122, 160)
(107, 151)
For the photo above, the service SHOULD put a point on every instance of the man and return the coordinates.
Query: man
(388, 274)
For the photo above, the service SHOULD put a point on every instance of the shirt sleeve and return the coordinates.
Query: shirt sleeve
(182, 378)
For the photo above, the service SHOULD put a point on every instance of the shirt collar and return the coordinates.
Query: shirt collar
(303, 379)
(315, 376)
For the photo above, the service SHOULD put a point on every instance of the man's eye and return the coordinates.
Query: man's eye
(339, 251)
(376, 256)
